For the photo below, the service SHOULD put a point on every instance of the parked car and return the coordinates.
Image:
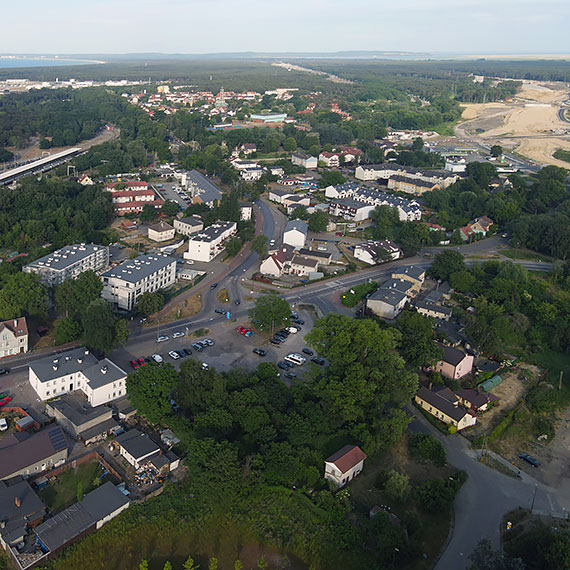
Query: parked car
(296, 327)
(205, 366)
(298, 321)
(293, 330)
(157, 358)
(162, 338)
(209, 341)
(134, 364)
(275, 341)
(237, 302)
(3, 424)
(530, 459)
(5, 400)
(187, 351)
(178, 334)
(290, 375)
(197, 347)
(284, 332)
(141, 361)
(284, 365)
(213, 286)
(180, 353)
(3, 395)
(148, 360)
(307, 351)
(220, 311)
(3, 371)
(317, 360)
(260, 351)
(175, 407)
(174, 355)
(294, 315)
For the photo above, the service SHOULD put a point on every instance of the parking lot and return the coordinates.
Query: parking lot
(176, 193)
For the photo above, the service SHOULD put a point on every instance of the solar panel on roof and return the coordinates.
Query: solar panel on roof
(57, 439)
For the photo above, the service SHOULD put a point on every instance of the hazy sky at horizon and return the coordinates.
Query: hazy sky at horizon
(207, 26)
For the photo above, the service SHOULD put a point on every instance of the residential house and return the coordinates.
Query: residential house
(139, 450)
(278, 195)
(305, 160)
(85, 180)
(344, 465)
(482, 225)
(475, 400)
(374, 251)
(455, 363)
(466, 233)
(81, 420)
(386, 303)
(210, 242)
(292, 201)
(412, 273)
(13, 337)
(411, 185)
(189, 225)
(251, 174)
(402, 285)
(323, 257)
(69, 262)
(245, 211)
(276, 171)
(295, 233)
(161, 231)
(442, 403)
(330, 159)
(29, 454)
(303, 266)
(100, 380)
(345, 190)
(20, 509)
(131, 196)
(351, 209)
(432, 310)
(248, 148)
(124, 284)
(275, 264)
(351, 153)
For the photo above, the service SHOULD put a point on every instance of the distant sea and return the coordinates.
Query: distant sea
(10, 62)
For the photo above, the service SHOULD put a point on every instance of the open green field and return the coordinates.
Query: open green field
(525, 254)
(63, 491)
(562, 154)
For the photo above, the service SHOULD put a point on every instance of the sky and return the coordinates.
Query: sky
(210, 26)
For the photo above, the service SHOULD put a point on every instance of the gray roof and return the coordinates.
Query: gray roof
(202, 187)
(451, 355)
(304, 261)
(136, 443)
(299, 225)
(69, 362)
(212, 232)
(413, 271)
(433, 307)
(104, 427)
(60, 529)
(102, 373)
(77, 410)
(66, 256)
(441, 398)
(351, 203)
(402, 285)
(414, 181)
(192, 220)
(21, 453)
(135, 270)
(389, 296)
(31, 507)
(280, 192)
(161, 226)
(103, 501)
(318, 254)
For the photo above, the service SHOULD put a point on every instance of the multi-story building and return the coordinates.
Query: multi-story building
(305, 160)
(124, 284)
(132, 196)
(202, 190)
(387, 170)
(161, 231)
(351, 209)
(295, 233)
(13, 337)
(188, 226)
(100, 380)
(210, 242)
(69, 262)
(331, 159)
(411, 185)
(371, 251)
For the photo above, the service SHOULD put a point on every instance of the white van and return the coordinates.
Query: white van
(295, 358)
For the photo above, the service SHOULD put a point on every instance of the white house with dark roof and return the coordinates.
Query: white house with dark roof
(100, 380)
(368, 251)
(302, 266)
(351, 209)
(386, 303)
(124, 284)
(69, 262)
(189, 225)
(344, 465)
(210, 242)
(295, 233)
(161, 231)
(305, 160)
(278, 195)
(13, 337)
(275, 264)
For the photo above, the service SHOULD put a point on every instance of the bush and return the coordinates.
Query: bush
(543, 426)
(434, 494)
(428, 448)
(452, 429)
(541, 399)
(397, 486)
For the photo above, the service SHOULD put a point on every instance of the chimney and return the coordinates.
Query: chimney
(17, 502)
(16, 323)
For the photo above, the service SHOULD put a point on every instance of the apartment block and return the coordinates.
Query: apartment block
(210, 242)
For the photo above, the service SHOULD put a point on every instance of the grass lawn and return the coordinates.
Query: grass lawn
(223, 296)
(525, 254)
(63, 491)
(562, 154)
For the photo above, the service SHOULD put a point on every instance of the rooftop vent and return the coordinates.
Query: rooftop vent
(86, 351)
(55, 366)
(104, 369)
(80, 360)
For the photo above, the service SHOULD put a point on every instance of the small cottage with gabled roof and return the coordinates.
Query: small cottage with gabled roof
(344, 465)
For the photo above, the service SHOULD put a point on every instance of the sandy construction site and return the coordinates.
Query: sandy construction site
(532, 124)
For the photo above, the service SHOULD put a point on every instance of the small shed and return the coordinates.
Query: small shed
(25, 423)
(490, 384)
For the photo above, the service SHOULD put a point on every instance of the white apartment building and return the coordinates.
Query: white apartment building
(161, 231)
(124, 284)
(210, 242)
(295, 233)
(188, 226)
(69, 262)
(368, 251)
(13, 337)
(78, 369)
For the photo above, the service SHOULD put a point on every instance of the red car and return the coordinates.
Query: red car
(134, 363)
(141, 361)
(5, 400)
(241, 330)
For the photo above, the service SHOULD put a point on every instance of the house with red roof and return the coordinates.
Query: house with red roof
(344, 465)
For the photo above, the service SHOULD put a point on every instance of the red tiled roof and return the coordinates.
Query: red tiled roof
(17, 326)
(346, 458)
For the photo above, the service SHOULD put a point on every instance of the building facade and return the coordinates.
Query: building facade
(69, 262)
(188, 226)
(295, 233)
(124, 284)
(210, 242)
(344, 465)
(161, 231)
(13, 337)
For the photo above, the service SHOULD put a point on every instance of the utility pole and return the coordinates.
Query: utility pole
(560, 380)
